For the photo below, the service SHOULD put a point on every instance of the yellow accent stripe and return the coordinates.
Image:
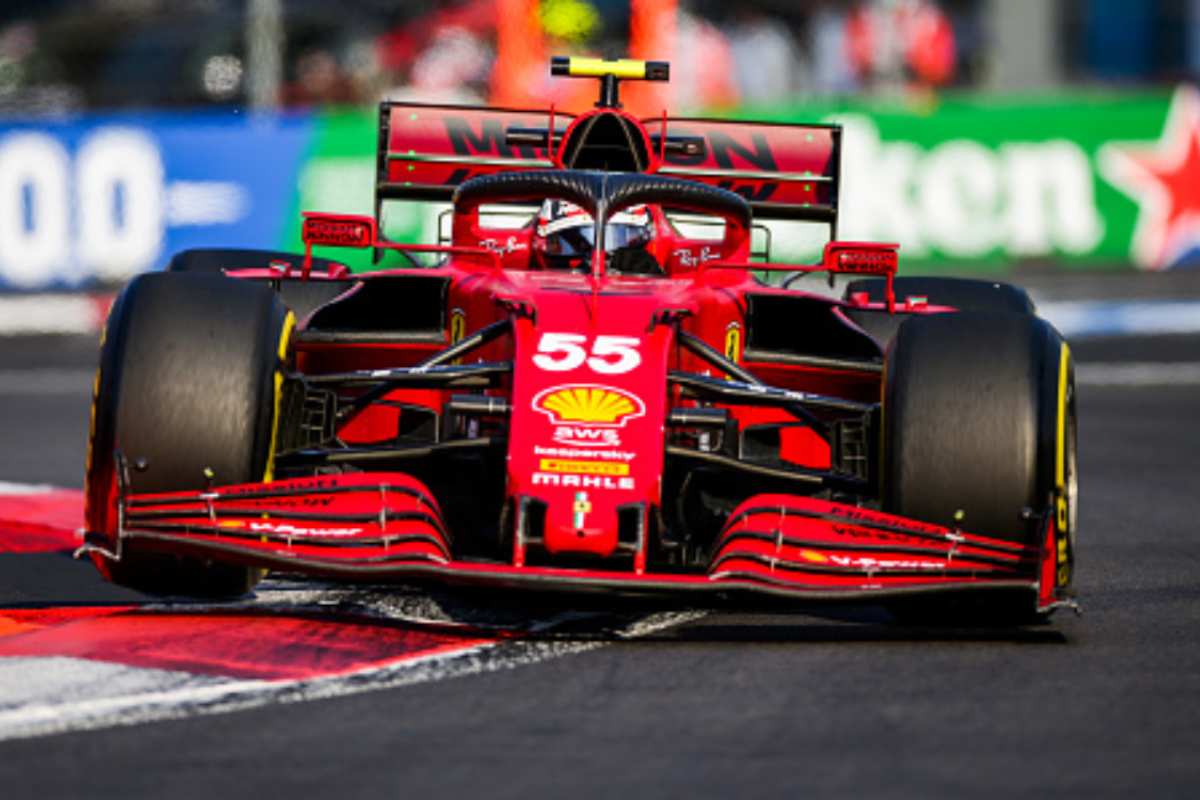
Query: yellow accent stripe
(583, 467)
(285, 336)
(882, 434)
(596, 67)
(1064, 362)
(91, 442)
(289, 323)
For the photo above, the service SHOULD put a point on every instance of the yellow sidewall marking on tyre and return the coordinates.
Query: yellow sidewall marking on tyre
(285, 336)
(882, 431)
(289, 323)
(1061, 501)
(1064, 361)
(91, 442)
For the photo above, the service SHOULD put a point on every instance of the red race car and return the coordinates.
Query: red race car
(588, 387)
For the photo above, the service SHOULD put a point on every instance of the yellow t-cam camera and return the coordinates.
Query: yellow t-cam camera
(623, 68)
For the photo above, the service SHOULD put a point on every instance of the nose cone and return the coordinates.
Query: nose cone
(581, 510)
(594, 450)
(588, 411)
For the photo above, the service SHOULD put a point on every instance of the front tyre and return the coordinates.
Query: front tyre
(979, 430)
(189, 378)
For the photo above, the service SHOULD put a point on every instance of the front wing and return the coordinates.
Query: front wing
(387, 527)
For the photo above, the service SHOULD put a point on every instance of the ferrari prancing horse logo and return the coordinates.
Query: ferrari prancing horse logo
(733, 342)
(458, 328)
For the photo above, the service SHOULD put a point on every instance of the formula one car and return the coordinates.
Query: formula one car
(589, 387)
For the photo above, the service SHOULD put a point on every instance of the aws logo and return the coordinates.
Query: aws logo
(588, 405)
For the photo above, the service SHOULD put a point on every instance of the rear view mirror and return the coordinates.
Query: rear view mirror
(869, 258)
(338, 230)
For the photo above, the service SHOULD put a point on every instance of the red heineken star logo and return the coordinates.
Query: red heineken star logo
(1163, 177)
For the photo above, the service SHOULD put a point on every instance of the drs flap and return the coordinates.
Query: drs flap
(785, 171)
(427, 150)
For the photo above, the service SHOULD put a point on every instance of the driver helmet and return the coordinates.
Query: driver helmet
(564, 234)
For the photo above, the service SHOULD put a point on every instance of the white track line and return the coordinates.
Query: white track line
(50, 314)
(202, 696)
(1084, 318)
(28, 681)
(45, 381)
(1138, 373)
(44, 718)
(8, 488)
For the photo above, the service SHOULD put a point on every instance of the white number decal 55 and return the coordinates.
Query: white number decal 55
(610, 355)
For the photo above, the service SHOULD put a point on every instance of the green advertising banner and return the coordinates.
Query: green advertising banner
(1096, 180)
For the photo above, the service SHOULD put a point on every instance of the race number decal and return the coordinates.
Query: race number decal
(608, 355)
(614, 355)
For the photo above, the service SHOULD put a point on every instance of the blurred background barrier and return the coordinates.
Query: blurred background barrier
(983, 135)
(102, 197)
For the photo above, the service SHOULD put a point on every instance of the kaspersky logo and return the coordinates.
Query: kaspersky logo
(588, 405)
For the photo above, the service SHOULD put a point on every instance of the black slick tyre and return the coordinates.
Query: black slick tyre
(218, 259)
(303, 297)
(186, 383)
(978, 428)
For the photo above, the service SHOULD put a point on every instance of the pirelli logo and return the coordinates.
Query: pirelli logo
(583, 467)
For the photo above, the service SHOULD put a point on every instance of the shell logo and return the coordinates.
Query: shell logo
(588, 404)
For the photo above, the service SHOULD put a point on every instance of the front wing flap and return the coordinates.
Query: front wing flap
(387, 527)
(355, 519)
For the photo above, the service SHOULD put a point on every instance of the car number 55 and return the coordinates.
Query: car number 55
(610, 355)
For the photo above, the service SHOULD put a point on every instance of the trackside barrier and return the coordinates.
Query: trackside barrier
(1077, 181)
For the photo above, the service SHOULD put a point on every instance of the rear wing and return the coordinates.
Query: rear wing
(426, 151)
(784, 171)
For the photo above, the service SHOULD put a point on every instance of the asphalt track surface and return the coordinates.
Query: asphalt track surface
(726, 704)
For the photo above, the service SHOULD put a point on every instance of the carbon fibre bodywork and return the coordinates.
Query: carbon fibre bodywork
(686, 428)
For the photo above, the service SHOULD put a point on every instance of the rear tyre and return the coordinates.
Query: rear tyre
(187, 381)
(978, 418)
(965, 294)
(303, 297)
